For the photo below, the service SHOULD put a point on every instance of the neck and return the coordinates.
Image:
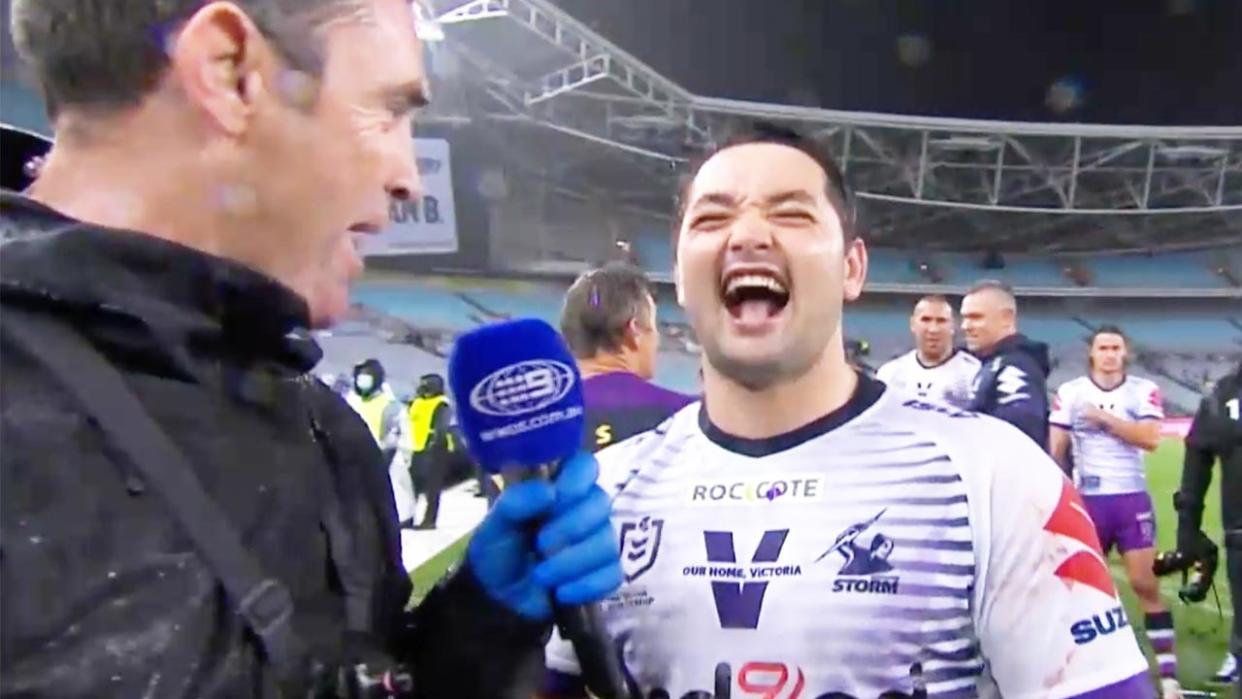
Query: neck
(107, 175)
(604, 364)
(1107, 379)
(783, 407)
(930, 360)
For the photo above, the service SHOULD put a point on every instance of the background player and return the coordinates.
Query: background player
(609, 323)
(1216, 433)
(1013, 381)
(1109, 419)
(934, 369)
(803, 531)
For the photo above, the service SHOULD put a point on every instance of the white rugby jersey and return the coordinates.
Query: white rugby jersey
(1103, 463)
(895, 547)
(947, 382)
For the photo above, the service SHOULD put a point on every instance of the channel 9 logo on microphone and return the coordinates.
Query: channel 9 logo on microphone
(521, 389)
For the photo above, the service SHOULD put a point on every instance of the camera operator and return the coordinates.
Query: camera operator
(184, 511)
(1216, 433)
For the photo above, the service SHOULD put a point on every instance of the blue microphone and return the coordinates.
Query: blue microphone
(518, 397)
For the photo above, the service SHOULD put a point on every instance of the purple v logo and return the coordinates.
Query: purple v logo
(738, 603)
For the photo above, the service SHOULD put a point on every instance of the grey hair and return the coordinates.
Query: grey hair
(107, 55)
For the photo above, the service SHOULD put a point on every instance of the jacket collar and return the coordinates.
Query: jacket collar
(110, 280)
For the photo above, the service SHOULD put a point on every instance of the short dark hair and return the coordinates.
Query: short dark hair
(837, 189)
(108, 55)
(1107, 329)
(599, 306)
(935, 298)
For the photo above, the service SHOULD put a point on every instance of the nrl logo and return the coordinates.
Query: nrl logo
(640, 543)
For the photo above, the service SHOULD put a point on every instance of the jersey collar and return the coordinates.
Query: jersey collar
(866, 393)
(919, 360)
(1124, 378)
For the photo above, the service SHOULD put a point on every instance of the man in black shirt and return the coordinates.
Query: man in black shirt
(1216, 434)
(609, 323)
(213, 166)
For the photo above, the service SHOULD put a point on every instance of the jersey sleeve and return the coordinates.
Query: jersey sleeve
(1150, 403)
(1048, 617)
(1062, 414)
(887, 371)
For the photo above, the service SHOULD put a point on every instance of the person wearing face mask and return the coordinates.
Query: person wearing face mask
(804, 530)
(375, 402)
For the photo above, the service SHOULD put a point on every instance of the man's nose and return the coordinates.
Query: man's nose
(404, 182)
(750, 232)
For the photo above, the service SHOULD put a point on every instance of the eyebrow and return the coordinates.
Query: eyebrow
(726, 199)
(409, 96)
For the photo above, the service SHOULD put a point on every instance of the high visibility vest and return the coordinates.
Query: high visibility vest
(422, 412)
(372, 411)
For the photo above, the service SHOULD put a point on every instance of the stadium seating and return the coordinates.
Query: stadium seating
(542, 302)
(1169, 270)
(1180, 345)
(1173, 270)
(425, 305)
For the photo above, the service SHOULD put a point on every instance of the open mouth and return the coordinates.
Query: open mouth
(754, 296)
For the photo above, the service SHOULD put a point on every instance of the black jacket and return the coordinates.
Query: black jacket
(1012, 384)
(101, 594)
(1216, 433)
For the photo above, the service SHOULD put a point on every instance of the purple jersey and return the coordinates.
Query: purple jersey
(620, 405)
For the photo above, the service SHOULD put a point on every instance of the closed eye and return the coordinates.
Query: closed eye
(794, 216)
(709, 220)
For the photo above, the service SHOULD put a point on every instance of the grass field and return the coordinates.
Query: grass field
(1202, 630)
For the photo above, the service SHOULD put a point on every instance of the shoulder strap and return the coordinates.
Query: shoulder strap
(263, 602)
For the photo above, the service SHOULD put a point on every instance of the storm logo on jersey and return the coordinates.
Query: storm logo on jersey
(863, 564)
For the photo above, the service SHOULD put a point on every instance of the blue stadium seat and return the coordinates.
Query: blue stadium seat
(1020, 270)
(654, 251)
(892, 267)
(1179, 333)
(424, 305)
(542, 303)
(1177, 270)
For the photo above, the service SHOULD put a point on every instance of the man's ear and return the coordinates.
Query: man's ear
(630, 337)
(855, 275)
(218, 60)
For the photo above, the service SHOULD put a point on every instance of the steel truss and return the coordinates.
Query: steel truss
(542, 67)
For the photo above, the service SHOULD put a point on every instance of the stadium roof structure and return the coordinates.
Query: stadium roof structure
(623, 133)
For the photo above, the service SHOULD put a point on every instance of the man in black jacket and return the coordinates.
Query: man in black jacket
(1012, 383)
(1216, 434)
(213, 165)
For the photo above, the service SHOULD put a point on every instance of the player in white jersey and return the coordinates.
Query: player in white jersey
(934, 369)
(1108, 420)
(806, 533)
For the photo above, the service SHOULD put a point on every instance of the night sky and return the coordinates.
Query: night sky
(1109, 61)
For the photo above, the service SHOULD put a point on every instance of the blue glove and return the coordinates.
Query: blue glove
(574, 555)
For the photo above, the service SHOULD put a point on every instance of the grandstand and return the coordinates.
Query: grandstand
(566, 152)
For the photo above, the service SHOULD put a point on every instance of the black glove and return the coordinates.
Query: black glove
(1189, 530)
(1188, 538)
